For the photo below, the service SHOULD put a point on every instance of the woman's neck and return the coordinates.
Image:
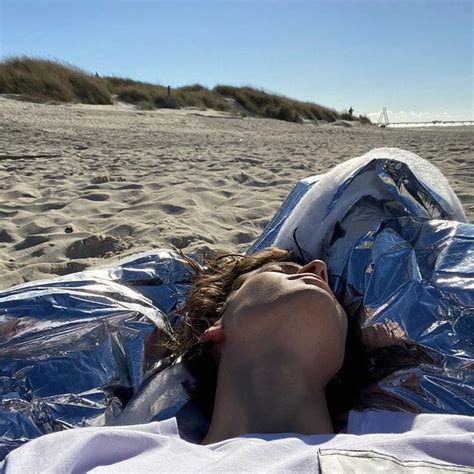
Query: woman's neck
(268, 395)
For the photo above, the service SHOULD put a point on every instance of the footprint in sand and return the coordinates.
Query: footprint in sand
(5, 237)
(96, 197)
(94, 246)
(172, 209)
(241, 178)
(66, 268)
(181, 242)
(31, 241)
(243, 238)
(466, 198)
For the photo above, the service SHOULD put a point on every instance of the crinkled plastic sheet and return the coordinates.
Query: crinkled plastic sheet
(409, 284)
(75, 350)
(84, 349)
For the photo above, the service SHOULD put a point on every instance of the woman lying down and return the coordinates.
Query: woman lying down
(278, 335)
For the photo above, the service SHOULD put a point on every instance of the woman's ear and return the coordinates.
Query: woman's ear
(215, 335)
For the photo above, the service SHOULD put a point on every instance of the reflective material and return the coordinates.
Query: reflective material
(409, 285)
(85, 349)
(76, 349)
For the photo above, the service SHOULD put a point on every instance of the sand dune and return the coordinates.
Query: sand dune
(82, 185)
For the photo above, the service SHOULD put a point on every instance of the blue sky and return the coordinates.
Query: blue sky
(415, 57)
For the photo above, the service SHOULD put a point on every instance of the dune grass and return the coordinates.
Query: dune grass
(44, 79)
(47, 80)
(147, 95)
(263, 104)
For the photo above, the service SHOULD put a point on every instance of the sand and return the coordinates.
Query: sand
(83, 186)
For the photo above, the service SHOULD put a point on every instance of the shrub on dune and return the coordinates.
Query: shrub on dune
(44, 79)
(133, 95)
(265, 104)
(199, 96)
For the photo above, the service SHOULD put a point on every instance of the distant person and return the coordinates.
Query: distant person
(351, 111)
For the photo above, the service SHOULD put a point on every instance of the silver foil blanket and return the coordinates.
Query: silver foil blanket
(76, 349)
(409, 286)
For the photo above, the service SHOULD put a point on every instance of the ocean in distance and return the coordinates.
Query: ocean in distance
(434, 123)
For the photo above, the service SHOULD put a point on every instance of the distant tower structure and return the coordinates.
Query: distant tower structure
(383, 120)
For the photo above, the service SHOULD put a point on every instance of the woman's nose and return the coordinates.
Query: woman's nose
(318, 267)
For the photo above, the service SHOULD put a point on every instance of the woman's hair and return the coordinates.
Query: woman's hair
(211, 285)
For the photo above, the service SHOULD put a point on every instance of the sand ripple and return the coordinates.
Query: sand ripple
(82, 185)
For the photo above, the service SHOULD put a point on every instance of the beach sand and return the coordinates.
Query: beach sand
(83, 186)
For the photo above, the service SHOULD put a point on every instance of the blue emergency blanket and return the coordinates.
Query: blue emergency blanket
(84, 349)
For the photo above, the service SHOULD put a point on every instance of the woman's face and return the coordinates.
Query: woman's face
(286, 308)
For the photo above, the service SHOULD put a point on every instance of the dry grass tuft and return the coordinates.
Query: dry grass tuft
(47, 80)
(264, 104)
